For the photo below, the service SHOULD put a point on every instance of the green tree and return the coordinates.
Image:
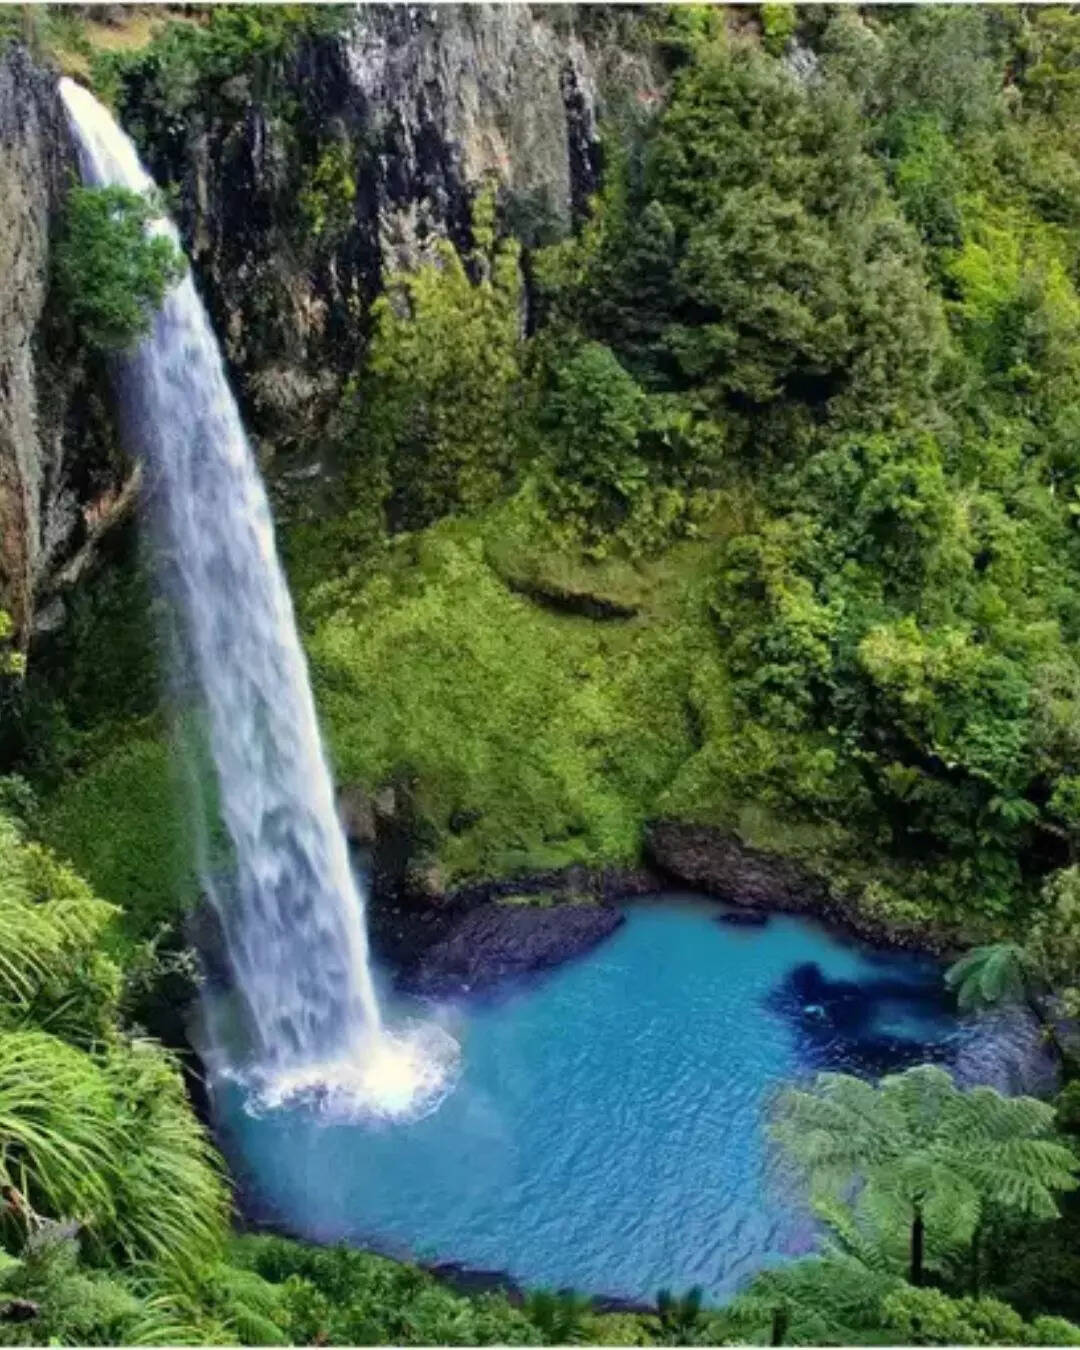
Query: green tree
(796, 279)
(924, 1157)
(680, 1316)
(1000, 972)
(1046, 962)
(561, 1317)
(112, 269)
(438, 406)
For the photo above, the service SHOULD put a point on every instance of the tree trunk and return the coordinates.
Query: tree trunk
(917, 1235)
(975, 1255)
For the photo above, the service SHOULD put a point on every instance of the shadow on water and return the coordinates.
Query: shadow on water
(848, 1026)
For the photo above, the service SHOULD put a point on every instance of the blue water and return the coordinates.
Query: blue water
(607, 1132)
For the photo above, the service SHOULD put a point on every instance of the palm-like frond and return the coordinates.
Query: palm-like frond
(112, 1142)
(50, 929)
(167, 1179)
(57, 1126)
(916, 1143)
(1000, 972)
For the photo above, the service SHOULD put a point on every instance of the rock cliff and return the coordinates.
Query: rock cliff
(298, 188)
(60, 481)
(297, 185)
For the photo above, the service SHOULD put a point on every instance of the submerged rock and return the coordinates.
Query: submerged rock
(494, 942)
(743, 918)
(1013, 1053)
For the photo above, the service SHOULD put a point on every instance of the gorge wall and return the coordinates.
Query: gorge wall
(301, 185)
(60, 481)
(298, 185)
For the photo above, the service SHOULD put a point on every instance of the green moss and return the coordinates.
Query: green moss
(120, 824)
(554, 732)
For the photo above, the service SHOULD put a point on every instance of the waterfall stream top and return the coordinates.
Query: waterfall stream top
(302, 1007)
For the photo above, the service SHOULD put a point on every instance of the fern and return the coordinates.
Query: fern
(915, 1153)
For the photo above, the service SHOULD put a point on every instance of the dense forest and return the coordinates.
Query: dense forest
(747, 498)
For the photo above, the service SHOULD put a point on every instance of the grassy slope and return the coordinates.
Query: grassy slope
(553, 734)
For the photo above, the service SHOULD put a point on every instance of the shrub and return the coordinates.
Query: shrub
(111, 270)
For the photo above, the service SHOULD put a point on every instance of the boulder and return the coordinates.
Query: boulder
(743, 918)
(713, 859)
(495, 942)
(356, 811)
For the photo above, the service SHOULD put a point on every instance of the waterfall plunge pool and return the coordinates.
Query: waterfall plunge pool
(607, 1130)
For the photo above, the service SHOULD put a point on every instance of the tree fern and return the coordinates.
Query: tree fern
(52, 970)
(1002, 972)
(917, 1155)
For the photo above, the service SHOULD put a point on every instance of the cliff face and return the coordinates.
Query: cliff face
(60, 482)
(363, 147)
(298, 186)
(34, 155)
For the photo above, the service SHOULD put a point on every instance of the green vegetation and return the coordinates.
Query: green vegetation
(12, 662)
(111, 273)
(931, 1160)
(442, 388)
(754, 503)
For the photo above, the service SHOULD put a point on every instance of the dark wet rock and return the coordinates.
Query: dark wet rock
(743, 918)
(204, 932)
(62, 483)
(423, 104)
(356, 811)
(494, 942)
(1012, 1053)
(1063, 1030)
(601, 884)
(425, 881)
(712, 859)
(563, 600)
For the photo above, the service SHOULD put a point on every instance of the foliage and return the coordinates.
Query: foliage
(53, 971)
(929, 1317)
(12, 662)
(189, 64)
(929, 1157)
(120, 823)
(764, 496)
(560, 1317)
(337, 1296)
(434, 635)
(1048, 961)
(112, 269)
(443, 385)
(778, 23)
(985, 976)
(782, 281)
(623, 470)
(77, 1305)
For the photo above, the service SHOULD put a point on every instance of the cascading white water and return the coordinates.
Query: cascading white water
(292, 915)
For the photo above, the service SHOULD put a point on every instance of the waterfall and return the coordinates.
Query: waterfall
(291, 911)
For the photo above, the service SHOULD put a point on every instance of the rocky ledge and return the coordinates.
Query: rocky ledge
(496, 941)
(714, 860)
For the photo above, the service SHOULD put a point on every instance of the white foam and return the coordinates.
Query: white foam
(398, 1075)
